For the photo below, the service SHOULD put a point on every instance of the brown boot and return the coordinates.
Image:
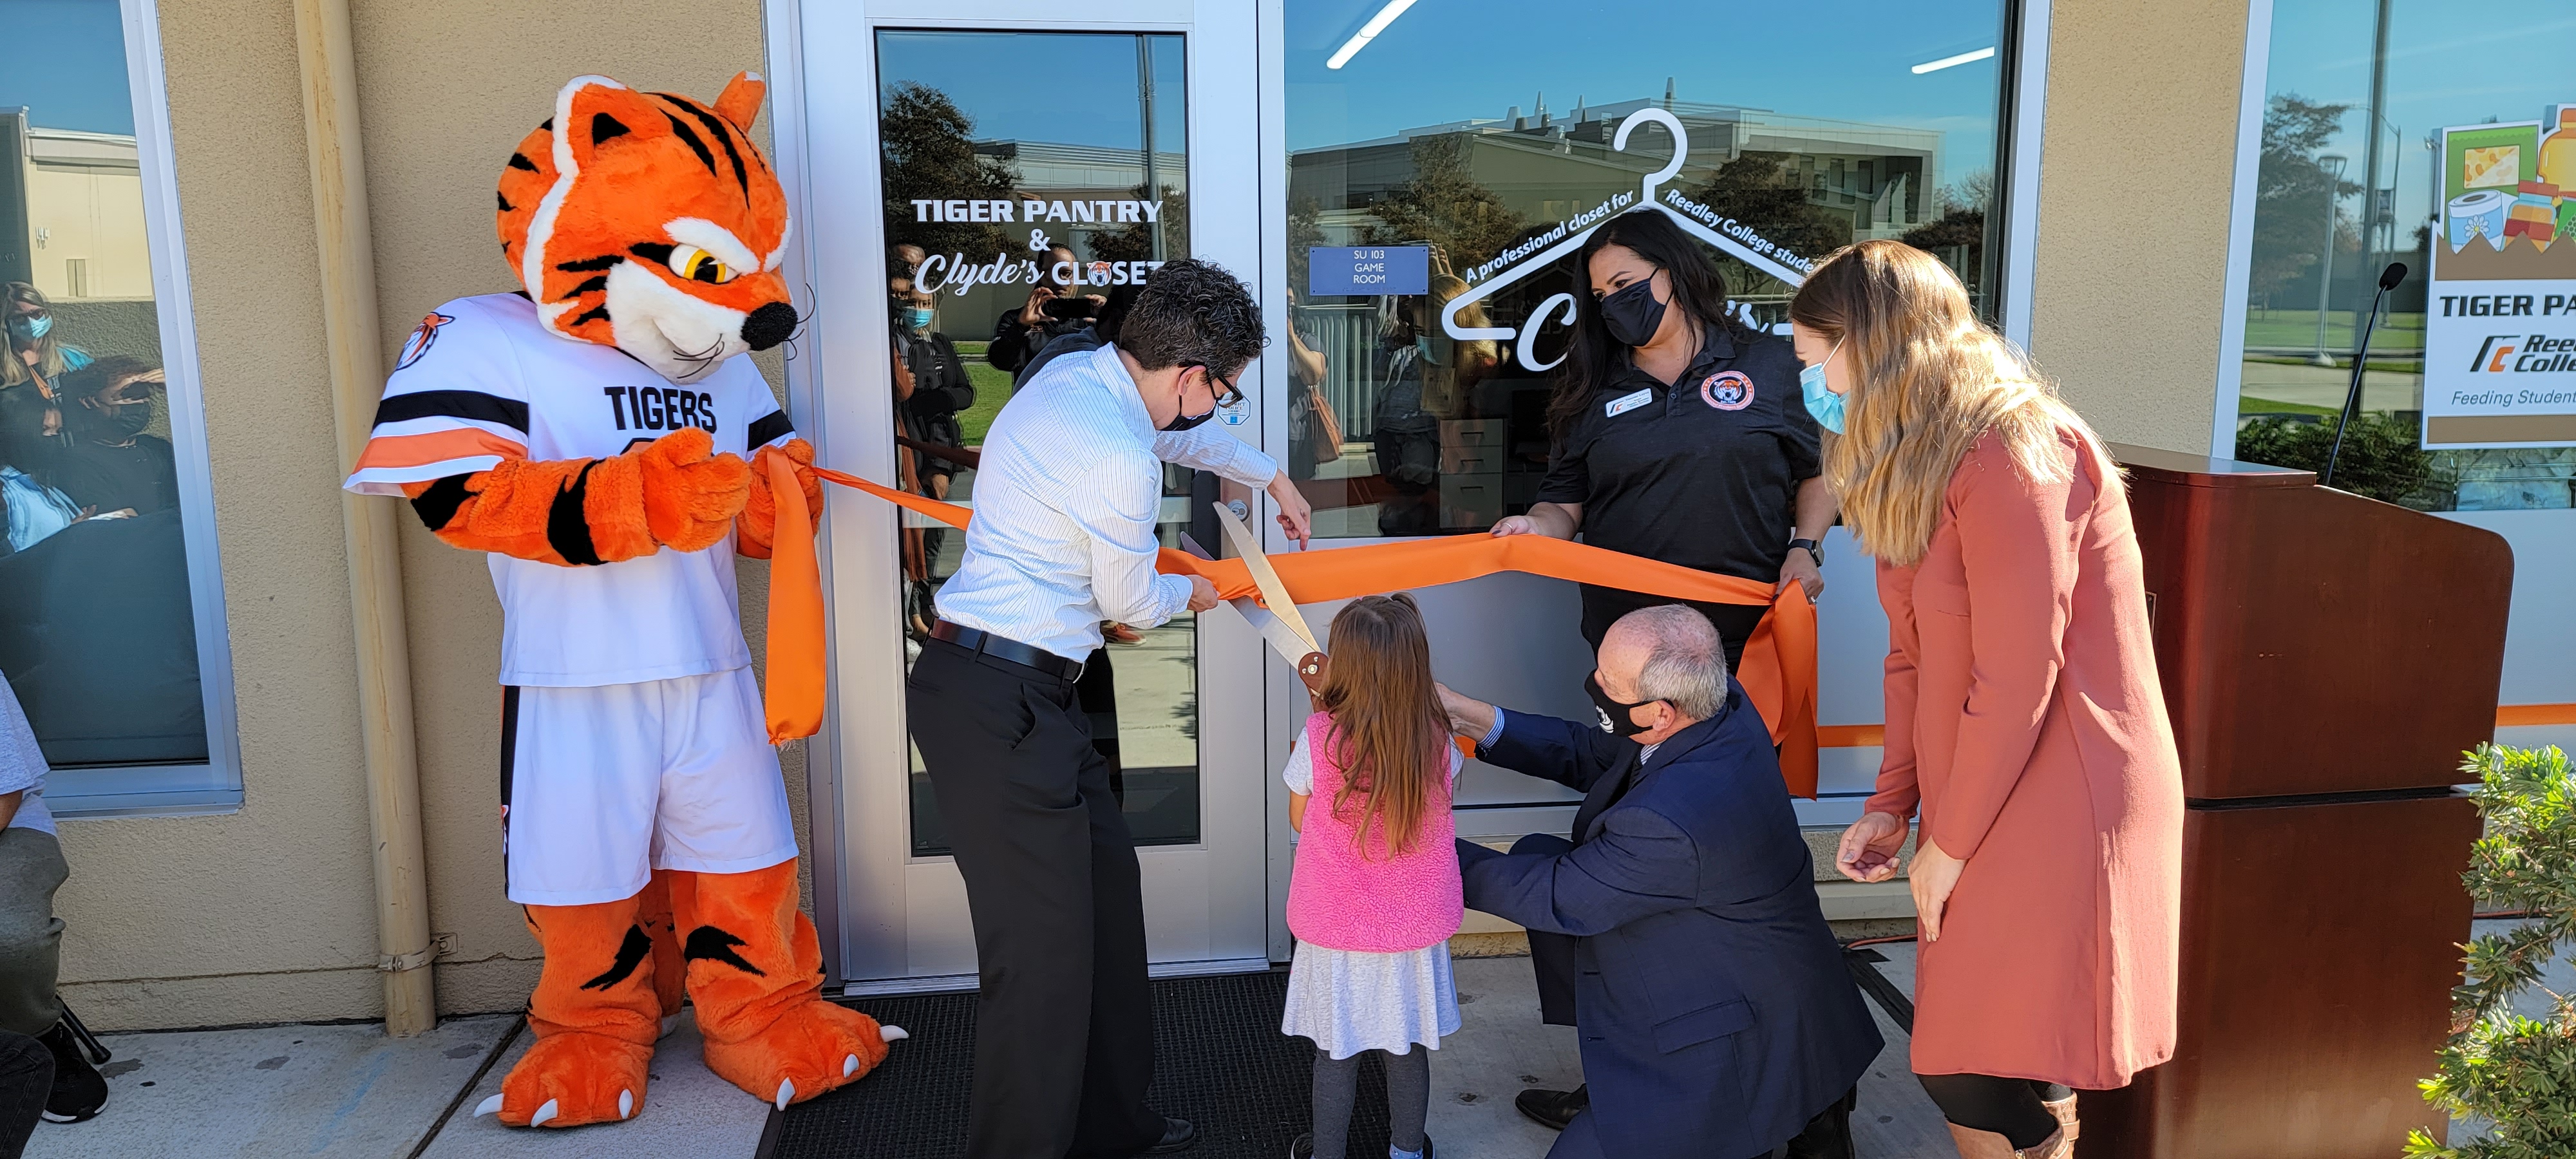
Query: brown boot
(1974, 1144)
(2064, 1110)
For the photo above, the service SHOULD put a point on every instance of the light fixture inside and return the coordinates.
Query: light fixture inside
(1947, 61)
(1368, 32)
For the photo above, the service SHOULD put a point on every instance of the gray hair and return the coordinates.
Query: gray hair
(1685, 662)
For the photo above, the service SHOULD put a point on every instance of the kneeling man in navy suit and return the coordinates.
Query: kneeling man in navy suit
(1680, 928)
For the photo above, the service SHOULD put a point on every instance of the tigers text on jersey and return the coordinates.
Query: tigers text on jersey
(481, 381)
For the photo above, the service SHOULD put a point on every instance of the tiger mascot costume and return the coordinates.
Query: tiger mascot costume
(590, 435)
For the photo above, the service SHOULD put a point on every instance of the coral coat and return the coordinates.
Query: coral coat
(2024, 716)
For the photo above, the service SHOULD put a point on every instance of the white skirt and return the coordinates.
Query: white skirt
(1349, 1001)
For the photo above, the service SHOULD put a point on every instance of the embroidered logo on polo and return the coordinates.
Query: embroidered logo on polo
(1727, 390)
(421, 337)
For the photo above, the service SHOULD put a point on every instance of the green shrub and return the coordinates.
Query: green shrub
(2381, 457)
(2517, 1073)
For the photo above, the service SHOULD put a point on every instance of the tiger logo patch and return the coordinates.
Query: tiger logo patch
(421, 337)
(1727, 390)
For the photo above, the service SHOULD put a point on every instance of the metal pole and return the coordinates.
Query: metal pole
(2332, 165)
(2370, 255)
(1145, 101)
(368, 528)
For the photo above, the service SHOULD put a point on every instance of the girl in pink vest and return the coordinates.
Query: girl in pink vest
(1374, 895)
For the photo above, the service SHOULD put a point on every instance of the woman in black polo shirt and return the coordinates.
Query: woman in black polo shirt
(1677, 433)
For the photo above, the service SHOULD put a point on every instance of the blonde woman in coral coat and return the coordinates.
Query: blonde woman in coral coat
(2023, 715)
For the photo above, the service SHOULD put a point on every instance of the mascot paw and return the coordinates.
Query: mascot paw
(812, 1049)
(691, 497)
(571, 1079)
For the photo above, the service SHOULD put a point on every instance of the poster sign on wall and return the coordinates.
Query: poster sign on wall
(2500, 322)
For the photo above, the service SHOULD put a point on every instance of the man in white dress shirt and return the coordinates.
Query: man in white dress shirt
(1066, 504)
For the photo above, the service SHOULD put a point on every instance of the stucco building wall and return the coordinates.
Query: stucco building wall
(267, 913)
(2137, 164)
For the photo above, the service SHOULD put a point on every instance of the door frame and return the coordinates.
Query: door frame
(891, 921)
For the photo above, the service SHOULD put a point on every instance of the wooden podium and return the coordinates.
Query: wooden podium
(2325, 658)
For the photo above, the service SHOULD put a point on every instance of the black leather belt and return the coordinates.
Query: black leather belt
(985, 643)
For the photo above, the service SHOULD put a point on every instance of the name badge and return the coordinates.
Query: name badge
(1625, 403)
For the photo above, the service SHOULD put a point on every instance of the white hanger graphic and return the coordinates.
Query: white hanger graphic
(1564, 303)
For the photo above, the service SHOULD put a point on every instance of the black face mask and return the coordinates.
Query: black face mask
(1632, 314)
(1185, 422)
(1614, 715)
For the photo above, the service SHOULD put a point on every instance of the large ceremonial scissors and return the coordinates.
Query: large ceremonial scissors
(1280, 623)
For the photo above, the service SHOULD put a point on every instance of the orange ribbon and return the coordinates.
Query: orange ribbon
(1778, 671)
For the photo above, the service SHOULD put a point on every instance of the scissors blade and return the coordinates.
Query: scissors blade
(1273, 592)
(1282, 638)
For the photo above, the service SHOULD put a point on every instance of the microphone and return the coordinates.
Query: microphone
(2388, 280)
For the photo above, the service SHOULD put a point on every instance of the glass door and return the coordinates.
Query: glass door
(1026, 176)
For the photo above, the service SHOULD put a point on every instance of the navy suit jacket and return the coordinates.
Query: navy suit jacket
(1715, 1014)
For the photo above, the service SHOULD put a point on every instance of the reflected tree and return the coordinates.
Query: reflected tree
(2290, 194)
(930, 155)
(1762, 191)
(1444, 204)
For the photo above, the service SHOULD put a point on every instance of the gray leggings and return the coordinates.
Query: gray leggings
(1337, 1087)
(31, 869)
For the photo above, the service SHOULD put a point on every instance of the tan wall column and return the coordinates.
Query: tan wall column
(368, 524)
(2137, 169)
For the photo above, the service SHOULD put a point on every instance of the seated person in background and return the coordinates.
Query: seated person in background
(31, 869)
(104, 459)
(34, 511)
(1680, 929)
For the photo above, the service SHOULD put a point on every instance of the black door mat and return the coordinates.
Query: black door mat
(1219, 1061)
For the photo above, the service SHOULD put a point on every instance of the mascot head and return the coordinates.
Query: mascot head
(651, 223)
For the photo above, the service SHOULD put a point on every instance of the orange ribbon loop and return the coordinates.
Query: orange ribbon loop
(1778, 671)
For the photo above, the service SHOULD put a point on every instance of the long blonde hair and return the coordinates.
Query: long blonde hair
(1929, 380)
(1389, 736)
(49, 349)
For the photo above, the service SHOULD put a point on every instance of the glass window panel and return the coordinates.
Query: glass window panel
(96, 632)
(1031, 180)
(1447, 155)
(2352, 177)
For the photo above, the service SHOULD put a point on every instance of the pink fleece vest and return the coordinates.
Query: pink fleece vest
(1379, 903)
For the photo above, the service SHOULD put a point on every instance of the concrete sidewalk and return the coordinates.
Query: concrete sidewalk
(345, 1090)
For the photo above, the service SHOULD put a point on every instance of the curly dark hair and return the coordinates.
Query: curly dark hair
(1193, 313)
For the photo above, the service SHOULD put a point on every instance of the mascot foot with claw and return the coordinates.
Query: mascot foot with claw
(756, 973)
(596, 1014)
(568, 1080)
(809, 1050)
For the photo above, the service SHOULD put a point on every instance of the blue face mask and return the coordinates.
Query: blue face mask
(918, 318)
(28, 329)
(1822, 403)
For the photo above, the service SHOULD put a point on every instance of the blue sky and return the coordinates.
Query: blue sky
(66, 63)
(1066, 88)
(2450, 63)
(1446, 60)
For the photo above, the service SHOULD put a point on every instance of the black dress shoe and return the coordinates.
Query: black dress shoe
(1178, 1134)
(1553, 1109)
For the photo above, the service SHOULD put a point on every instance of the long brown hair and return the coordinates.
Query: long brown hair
(1929, 380)
(1388, 736)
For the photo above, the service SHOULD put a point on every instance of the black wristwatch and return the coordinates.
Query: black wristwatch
(1815, 551)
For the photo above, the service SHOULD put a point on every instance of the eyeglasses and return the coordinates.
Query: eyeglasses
(1231, 395)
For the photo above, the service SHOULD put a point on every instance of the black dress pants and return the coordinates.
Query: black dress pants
(1064, 1021)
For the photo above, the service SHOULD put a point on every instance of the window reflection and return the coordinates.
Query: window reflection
(1032, 180)
(2346, 186)
(1433, 215)
(97, 637)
